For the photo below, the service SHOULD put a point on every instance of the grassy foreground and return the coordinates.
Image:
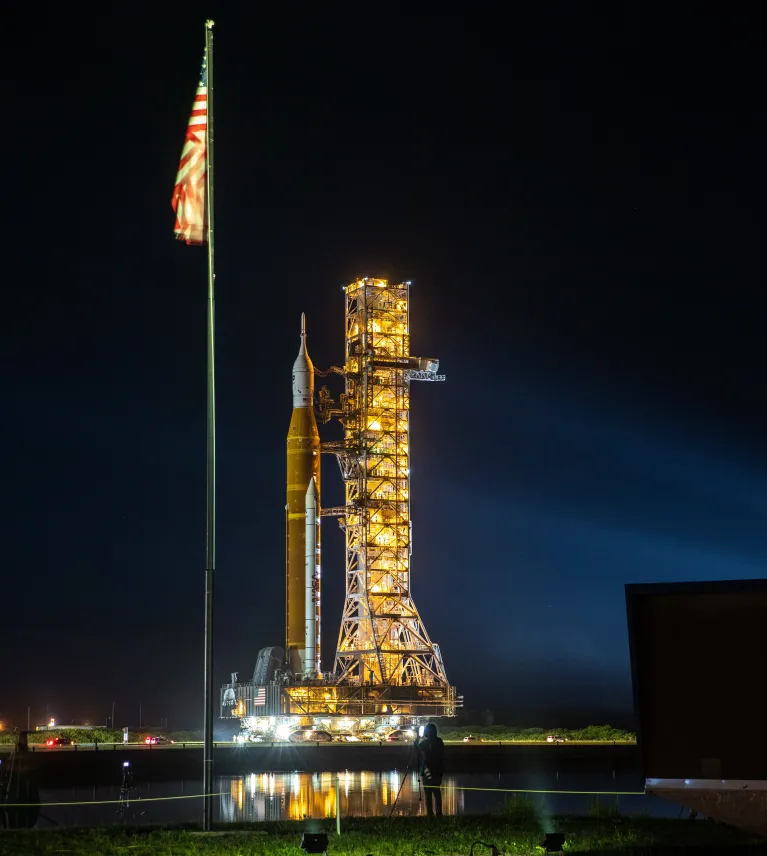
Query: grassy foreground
(396, 837)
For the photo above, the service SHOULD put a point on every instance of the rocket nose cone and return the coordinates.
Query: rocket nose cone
(311, 491)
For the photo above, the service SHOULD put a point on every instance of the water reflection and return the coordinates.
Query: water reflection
(280, 796)
(295, 796)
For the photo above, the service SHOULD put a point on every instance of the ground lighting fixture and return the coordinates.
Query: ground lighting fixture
(314, 842)
(554, 842)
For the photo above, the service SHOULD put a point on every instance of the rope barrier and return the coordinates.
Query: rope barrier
(131, 799)
(223, 793)
(532, 791)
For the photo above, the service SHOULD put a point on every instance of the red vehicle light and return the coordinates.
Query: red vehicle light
(50, 743)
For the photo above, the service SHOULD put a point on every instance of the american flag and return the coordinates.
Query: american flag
(189, 201)
(260, 696)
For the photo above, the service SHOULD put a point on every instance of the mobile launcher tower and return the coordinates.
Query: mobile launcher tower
(387, 671)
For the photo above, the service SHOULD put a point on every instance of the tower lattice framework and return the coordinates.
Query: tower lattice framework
(382, 639)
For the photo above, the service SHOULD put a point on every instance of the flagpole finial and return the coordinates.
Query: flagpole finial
(209, 24)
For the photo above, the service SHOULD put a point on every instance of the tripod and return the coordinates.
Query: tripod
(126, 786)
(413, 757)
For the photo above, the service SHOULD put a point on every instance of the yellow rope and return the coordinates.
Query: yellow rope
(110, 802)
(531, 791)
(222, 793)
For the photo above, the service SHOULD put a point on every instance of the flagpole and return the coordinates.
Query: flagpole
(210, 532)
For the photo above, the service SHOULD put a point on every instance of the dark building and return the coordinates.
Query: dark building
(698, 656)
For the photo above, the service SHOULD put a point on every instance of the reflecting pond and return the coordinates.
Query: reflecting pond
(294, 796)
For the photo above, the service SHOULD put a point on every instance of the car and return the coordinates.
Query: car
(311, 736)
(470, 738)
(555, 738)
(58, 741)
(400, 735)
(151, 740)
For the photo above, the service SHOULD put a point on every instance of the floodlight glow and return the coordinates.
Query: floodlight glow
(283, 731)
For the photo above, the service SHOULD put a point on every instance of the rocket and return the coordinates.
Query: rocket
(302, 524)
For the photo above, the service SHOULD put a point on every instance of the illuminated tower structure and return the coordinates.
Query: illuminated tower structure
(382, 639)
(387, 670)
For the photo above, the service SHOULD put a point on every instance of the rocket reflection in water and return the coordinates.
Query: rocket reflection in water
(295, 796)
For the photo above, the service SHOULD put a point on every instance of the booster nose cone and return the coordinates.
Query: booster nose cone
(311, 493)
(303, 373)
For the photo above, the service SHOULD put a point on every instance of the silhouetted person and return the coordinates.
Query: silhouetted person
(431, 751)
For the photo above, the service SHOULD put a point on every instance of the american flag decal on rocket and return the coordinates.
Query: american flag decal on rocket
(259, 696)
(189, 195)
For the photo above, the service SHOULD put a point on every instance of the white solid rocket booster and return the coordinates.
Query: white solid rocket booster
(311, 650)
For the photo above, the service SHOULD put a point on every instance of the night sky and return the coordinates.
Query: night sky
(578, 198)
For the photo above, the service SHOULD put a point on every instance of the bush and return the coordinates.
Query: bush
(78, 735)
(601, 732)
(508, 733)
(519, 810)
(185, 736)
(89, 735)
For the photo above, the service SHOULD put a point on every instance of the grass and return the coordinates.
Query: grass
(519, 810)
(383, 837)
(604, 810)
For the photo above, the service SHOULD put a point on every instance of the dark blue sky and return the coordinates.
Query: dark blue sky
(579, 202)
